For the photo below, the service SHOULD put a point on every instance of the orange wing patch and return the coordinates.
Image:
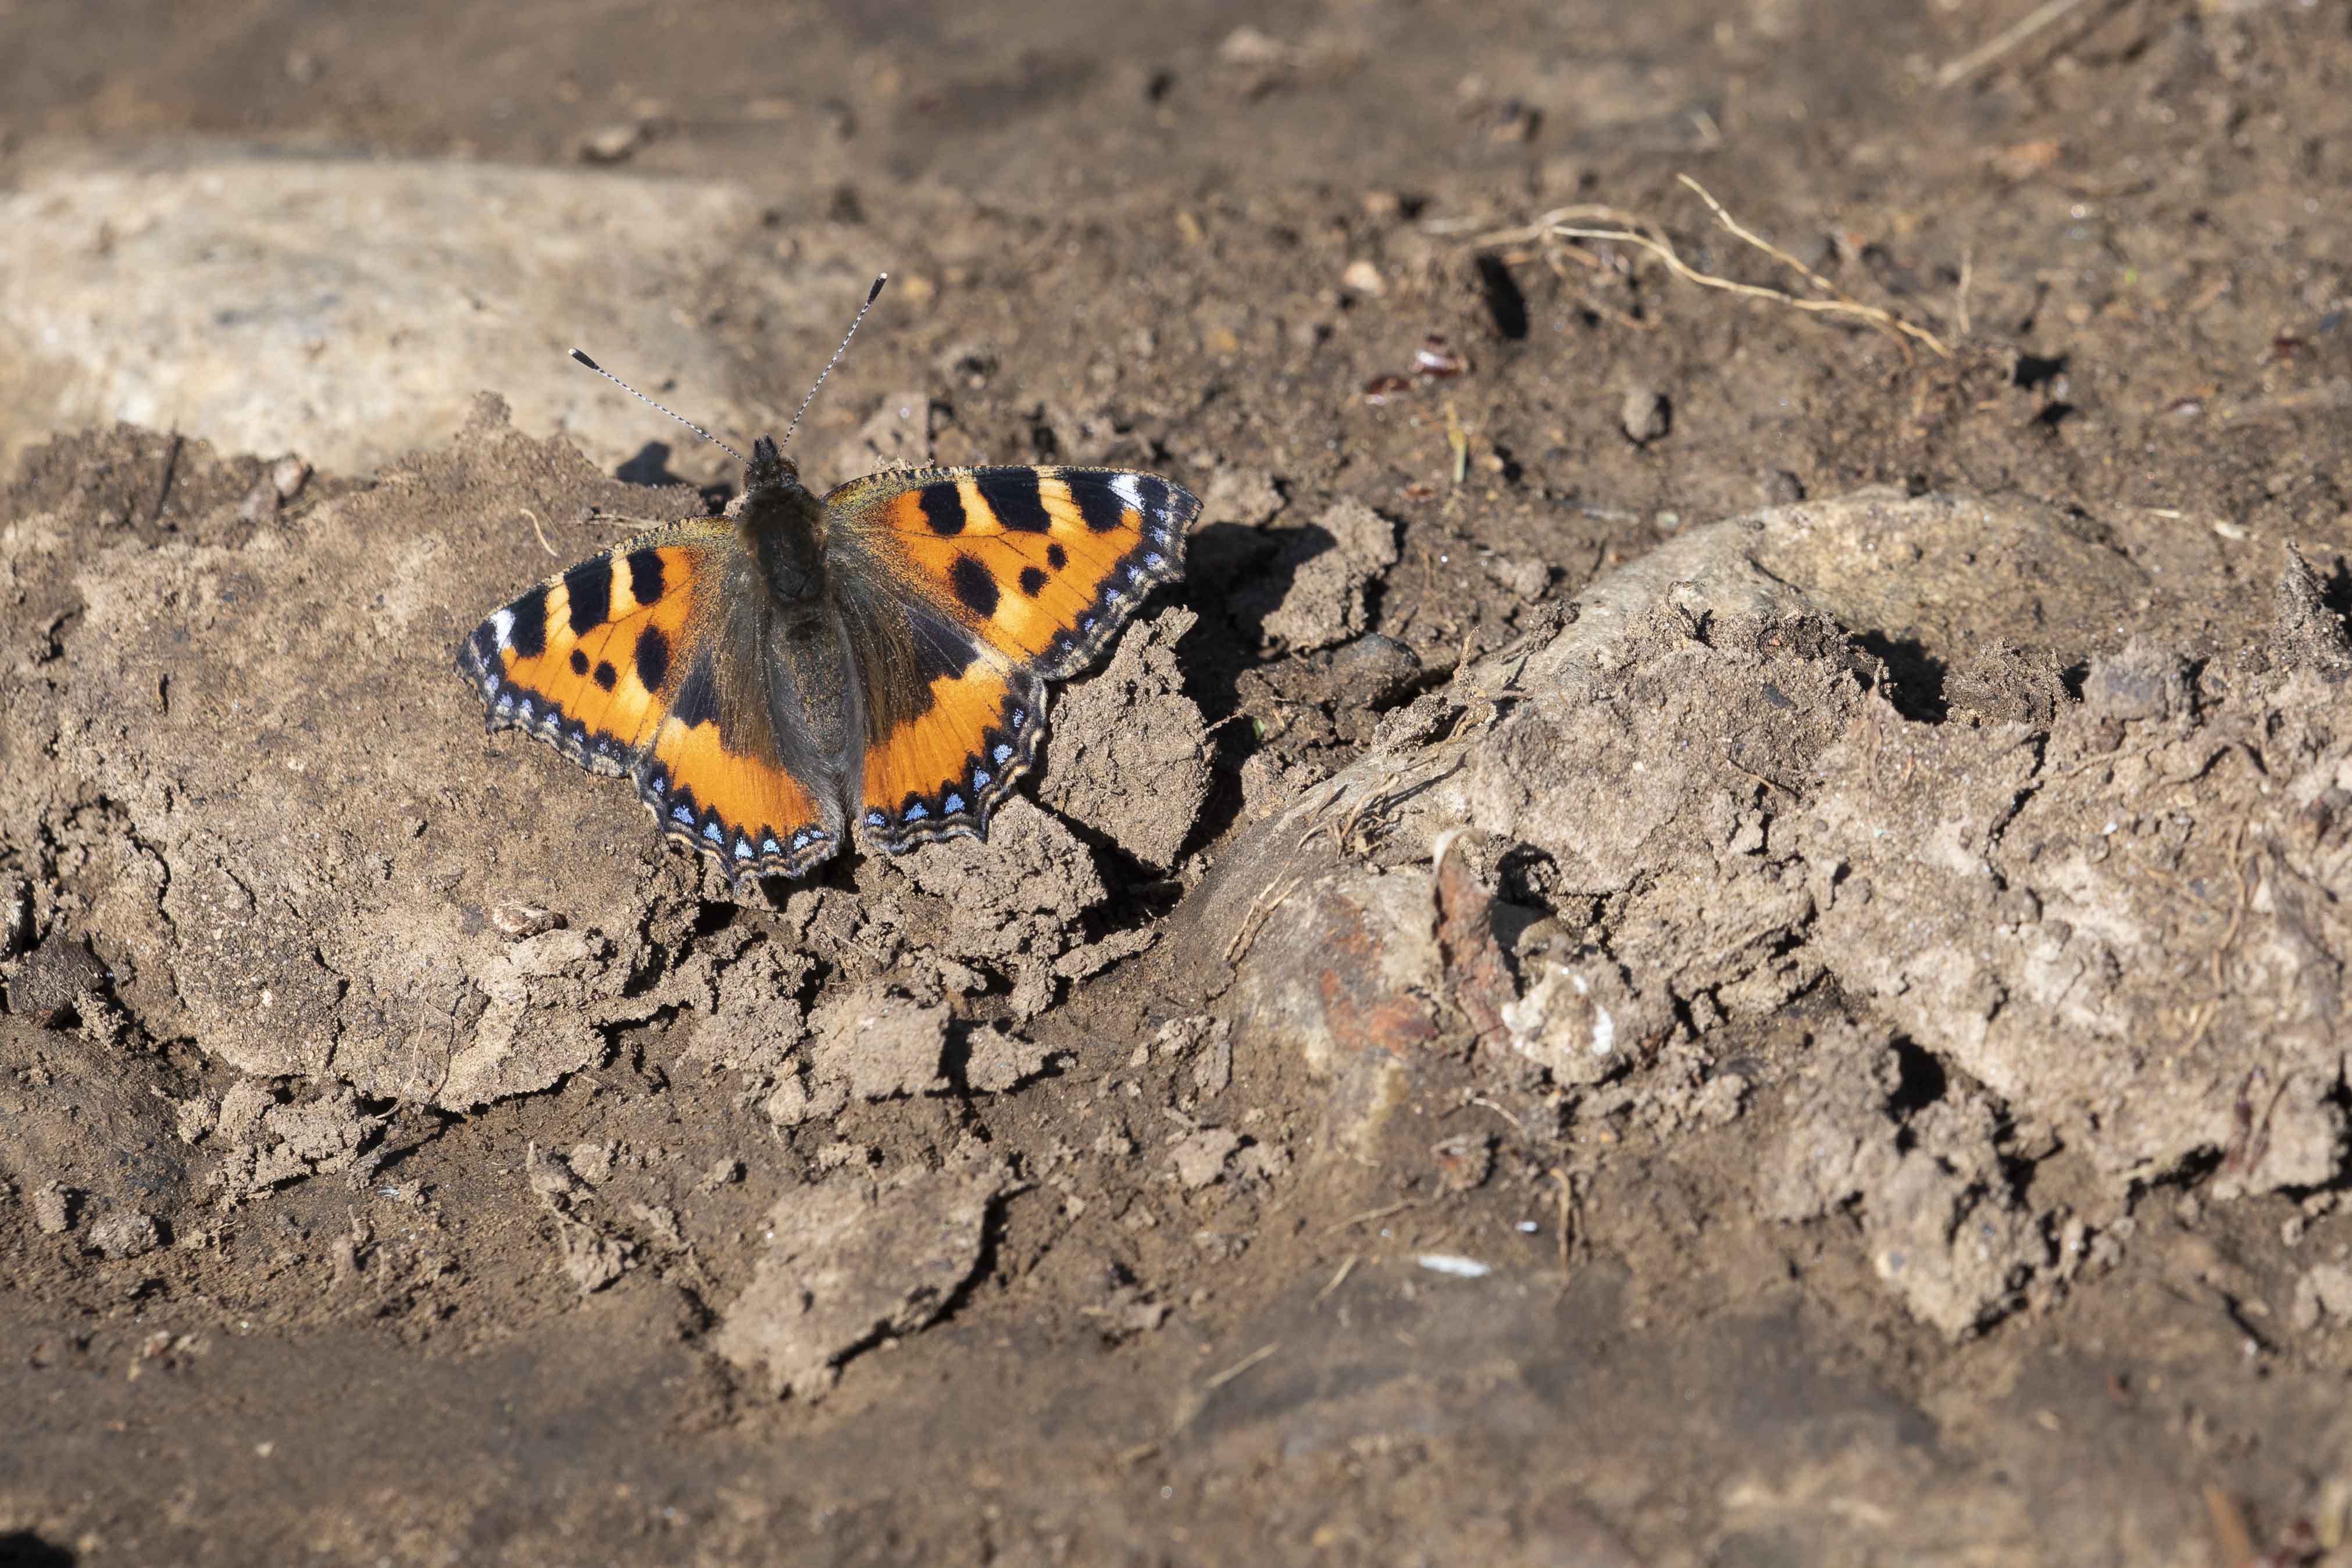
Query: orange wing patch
(746, 810)
(940, 770)
(583, 660)
(1043, 565)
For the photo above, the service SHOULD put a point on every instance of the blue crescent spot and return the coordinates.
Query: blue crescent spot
(918, 811)
(1002, 753)
(1086, 622)
(711, 831)
(875, 819)
(682, 814)
(1155, 560)
(980, 778)
(952, 804)
(505, 702)
(768, 846)
(743, 849)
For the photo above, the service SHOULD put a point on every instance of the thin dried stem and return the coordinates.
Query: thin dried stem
(1567, 222)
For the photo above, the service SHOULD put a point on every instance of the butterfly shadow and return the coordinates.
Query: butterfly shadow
(650, 469)
(1237, 577)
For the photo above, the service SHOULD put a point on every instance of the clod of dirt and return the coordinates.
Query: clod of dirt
(56, 982)
(1127, 757)
(2324, 1294)
(2310, 635)
(880, 1043)
(262, 1144)
(897, 436)
(998, 1061)
(1016, 903)
(1945, 1234)
(1372, 671)
(1579, 1018)
(125, 1233)
(302, 304)
(1247, 496)
(1705, 748)
(53, 1209)
(313, 900)
(1328, 563)
(852, 1261)
(90, 1119)
(1199, 1157)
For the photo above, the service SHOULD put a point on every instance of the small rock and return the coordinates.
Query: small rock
(610, 144)
(1524, 574)
(516, 920)
(2323, 1294)
(53, 1209)
(1363, 277)
(125, 1233)
(1645, 414)
(1373, 670)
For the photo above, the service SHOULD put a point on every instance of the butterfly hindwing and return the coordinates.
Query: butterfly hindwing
(1043, 565)
(618, 662)
(950, 724)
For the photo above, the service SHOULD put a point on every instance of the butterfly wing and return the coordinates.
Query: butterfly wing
(631, 663)
(964, 590)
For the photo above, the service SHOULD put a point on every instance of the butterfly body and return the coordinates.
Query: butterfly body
(874, 660)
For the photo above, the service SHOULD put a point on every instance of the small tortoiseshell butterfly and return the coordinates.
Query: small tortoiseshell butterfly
(879, 654)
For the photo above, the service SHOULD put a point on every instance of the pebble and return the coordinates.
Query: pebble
(1645, 414)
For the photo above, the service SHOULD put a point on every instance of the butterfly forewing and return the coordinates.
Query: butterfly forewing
(1043, 565)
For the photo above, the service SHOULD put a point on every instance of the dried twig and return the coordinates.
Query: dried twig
(1954, 72)
(1338, 1279)
(1237, 1368)
(1371, 1214)
(1565, 223)
(540, 531)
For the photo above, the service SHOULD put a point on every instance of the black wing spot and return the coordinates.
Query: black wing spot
(1033, 582)
(606, 674)
(1154, 491)
(579, 663)
(645, 575)
(1019, 504)
(1057, 557)
(942, 508)
(940, 649)
(1099, 506)
(653, 658)
(698, 697)
(528, 636)
(975, 585)
(589, 585)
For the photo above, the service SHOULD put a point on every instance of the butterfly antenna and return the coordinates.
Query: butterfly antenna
(871, 294)
(650, 403)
